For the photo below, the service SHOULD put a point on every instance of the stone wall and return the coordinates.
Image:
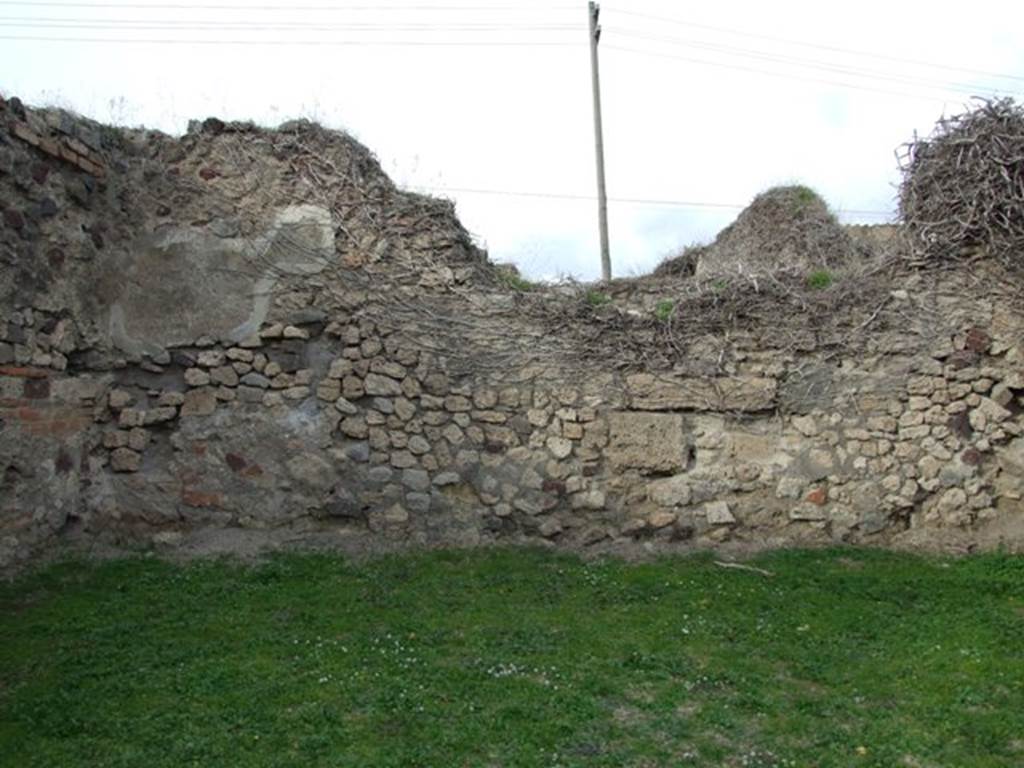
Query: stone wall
(252, 335)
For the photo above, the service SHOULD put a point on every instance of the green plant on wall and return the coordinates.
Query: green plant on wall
(597, 299)
(516, 283)
(820, 279)
(664, 309)
(805, 195)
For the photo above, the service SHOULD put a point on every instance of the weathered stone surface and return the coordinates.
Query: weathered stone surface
(416, 479)
(118, 398)
(593, 499)
(658, 520)
(661, 393)
(199, 402)
(255, 380)
(718, 513)
(650, 442)
(381, 386)
(196, 377)
(559, 446)
(125, 460)
(369, 377)
(346, 407)
(354, 426)
(670, 492)
(312, 470)
(447, 478)
(170, 399)
(224, 375)
(418, 445)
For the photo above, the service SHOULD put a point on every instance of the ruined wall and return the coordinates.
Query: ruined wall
(252, 335)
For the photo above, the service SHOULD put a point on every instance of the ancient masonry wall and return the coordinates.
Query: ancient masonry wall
(320, 410)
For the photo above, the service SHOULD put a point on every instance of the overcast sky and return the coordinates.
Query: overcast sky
(703, 102)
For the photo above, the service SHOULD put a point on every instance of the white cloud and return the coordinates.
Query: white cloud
(513, 118)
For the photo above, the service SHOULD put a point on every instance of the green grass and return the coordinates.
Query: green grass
(597, 298)
(516, 283)
(820, 279)
(516, 658)
(805, 195)
(664, 309)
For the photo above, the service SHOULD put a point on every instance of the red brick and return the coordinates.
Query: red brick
(24, 371)
(24, 133)
(50, 147)
(236, 462)
(200, 499)
(818, 496)
(36, 388)
(30, 414)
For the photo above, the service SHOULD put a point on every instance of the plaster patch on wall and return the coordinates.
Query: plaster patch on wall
(185, 284)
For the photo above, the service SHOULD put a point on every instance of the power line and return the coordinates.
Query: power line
(784, 75)
(760, 55)
(622, 200)
(188, 26)
(321, 8)
(818, 46)
(343, 43)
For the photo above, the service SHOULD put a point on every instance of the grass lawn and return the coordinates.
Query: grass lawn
(516, 658)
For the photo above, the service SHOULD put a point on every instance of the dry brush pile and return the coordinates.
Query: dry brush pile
(963, 186)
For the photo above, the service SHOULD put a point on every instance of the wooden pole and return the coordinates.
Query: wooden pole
(594, 11)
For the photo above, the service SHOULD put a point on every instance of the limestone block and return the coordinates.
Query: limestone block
(132, 417)
(388, 368)
(458, 404)
(312, 470)
(403, 460)
(224, 375)
(993, 411)
(805, 425)
(593, 499)
(195, 377)
(379, 385)
(160, 415)
(560, 447)
(1011, 459)
(116, 439)
(125, 460)
(352, 388)
(354, 427)
(416, 479)
(210, 358)
(295, 393)
(485, 399)
(418, 445)
(339, 369)
(199, 402)
(658, 520)
(118, 398)
(404, 409)
(550, 528)
(653, 443)
(328, 390)
(665, 393)
(418, 502)
(170, 399)
(670, 492)
(718, 513)
(239, 355)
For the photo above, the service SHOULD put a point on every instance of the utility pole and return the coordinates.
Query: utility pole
(593, 11)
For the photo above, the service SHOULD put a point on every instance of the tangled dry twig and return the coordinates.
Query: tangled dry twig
(963, 187)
